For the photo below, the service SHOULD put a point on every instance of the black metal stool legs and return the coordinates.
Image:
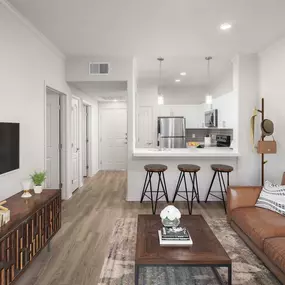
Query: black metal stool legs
(177, 186)
(144, 186)
(164, 187)
(195, 185)
(223, 187)
(148, 184)
(214, 176)
(194, 192)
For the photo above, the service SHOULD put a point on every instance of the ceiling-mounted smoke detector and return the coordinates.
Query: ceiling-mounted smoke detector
(99, 68)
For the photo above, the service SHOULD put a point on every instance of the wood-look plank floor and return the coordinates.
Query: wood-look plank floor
(80, 247)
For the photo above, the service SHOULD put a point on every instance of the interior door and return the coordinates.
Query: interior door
(75, 143)
(113, 139)
(145, 128)
(85, 140)
(53, 141)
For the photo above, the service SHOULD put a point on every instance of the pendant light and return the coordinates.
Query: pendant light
(209, 99)
(160, 98)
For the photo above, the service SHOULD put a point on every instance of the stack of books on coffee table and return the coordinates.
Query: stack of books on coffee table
(174, 237)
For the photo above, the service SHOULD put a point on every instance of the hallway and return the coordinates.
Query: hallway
(80, 247)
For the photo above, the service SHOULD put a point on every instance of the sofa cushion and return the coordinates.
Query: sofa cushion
(259, 224)
(274, 248)
(272, 197)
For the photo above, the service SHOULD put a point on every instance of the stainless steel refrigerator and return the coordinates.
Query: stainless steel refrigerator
(171, 132)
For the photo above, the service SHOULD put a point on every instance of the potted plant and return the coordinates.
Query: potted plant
(38, 178)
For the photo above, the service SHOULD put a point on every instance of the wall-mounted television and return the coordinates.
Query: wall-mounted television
(9, 146)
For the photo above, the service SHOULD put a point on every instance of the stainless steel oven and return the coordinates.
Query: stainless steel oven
(211, 118)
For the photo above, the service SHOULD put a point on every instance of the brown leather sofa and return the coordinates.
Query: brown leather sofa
(261, 229)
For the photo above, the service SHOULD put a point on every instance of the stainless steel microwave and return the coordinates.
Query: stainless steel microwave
(211, 118)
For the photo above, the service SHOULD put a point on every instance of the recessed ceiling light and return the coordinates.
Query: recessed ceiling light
(115, 100)
(183, 73)
(225, 26)
(177, 80)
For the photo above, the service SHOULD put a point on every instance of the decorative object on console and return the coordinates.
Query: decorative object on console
(272, 197)
(4, 214)
(26, 186)
(170, 216)
(38, 179)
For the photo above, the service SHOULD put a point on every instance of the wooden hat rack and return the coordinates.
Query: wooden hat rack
(264, 146)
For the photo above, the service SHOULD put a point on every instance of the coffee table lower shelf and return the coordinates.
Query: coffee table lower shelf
(213, 267)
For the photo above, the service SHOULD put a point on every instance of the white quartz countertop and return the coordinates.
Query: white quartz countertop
(186, 152)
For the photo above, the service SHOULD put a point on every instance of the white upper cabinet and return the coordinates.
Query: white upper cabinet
(193, 114)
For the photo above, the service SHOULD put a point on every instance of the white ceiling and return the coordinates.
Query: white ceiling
(182, 31)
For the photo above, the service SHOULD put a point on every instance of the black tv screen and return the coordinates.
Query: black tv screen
(9, 146)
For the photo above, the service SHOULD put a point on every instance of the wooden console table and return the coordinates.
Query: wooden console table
(34, 222)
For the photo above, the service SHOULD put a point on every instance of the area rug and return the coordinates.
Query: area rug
(118, 268)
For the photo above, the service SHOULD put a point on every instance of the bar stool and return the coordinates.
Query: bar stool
(150, 170)
(220, 169)
(192, 170)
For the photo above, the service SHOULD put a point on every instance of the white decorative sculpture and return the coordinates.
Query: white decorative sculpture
(170, 216)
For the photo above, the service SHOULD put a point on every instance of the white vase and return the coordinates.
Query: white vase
(38, 189)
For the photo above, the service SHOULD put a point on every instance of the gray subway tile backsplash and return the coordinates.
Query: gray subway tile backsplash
(203, 132)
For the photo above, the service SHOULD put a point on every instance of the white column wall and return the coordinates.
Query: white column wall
(272, 89)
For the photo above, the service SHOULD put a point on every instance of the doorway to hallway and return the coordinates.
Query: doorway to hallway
(55, 140)
(85, 140)
(113, 138)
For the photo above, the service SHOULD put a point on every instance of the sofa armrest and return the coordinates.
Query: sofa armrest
(241, 196)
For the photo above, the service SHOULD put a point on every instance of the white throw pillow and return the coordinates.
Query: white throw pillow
(272, 197)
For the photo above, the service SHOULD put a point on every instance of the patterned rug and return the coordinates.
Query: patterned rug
(118, 268)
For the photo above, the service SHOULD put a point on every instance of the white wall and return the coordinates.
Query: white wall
(245, 83)
(77, 68)
(227, 106)
(28, 62)
(272, 89)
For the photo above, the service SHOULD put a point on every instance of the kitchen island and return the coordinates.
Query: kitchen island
(186, 152)
(203, 157)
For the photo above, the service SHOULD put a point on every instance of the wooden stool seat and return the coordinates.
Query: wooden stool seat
(222, 167)
(192, 169)
(155, 167)
(151, 194)
(188, 167)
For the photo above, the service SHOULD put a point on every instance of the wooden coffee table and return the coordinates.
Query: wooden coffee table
(206, 250)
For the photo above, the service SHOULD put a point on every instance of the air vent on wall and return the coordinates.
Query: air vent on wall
(99, 68)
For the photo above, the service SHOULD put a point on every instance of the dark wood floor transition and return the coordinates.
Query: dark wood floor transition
(87, 219)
